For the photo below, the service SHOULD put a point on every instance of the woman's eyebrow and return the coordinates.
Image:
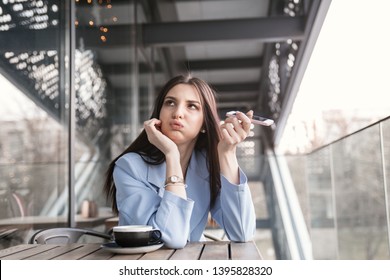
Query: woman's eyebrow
(193, 101)
(188, 101)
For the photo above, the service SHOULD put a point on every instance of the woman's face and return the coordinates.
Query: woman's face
(181, 114)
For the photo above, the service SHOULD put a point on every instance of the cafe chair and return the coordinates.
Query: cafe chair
(64, 235)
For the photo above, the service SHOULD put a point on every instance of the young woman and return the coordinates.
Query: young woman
(182, 167)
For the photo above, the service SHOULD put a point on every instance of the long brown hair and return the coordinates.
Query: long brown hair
(206, 141)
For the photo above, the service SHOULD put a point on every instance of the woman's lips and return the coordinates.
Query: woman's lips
(176, 125)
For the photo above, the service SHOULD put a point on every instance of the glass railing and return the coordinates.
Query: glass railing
(289, 230)
(344, 193)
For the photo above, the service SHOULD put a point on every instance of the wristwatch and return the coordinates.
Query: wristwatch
(174, 180)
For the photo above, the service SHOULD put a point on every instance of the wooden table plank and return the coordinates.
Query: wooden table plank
(79, 252)
(191, 251)
(32, 251)
(161, 254)
(244, 251)
(99, 254)
(215, 251)
(126, 256)
(54, 252)
(12, 250)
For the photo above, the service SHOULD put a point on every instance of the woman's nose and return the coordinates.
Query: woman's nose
(178, 113)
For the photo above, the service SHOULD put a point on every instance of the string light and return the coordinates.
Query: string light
(91, 22)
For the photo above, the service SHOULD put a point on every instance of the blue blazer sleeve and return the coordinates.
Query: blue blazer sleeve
(140, 202)
(234, 210)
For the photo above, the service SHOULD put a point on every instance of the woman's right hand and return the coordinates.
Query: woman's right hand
(157, 138)
(171, 152)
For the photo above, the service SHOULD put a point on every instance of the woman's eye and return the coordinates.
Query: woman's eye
(193, 107)
(169, 103)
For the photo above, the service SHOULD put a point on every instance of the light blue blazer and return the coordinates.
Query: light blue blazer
(142, 199)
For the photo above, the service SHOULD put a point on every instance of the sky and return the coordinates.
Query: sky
(349, 66)
(350, 57)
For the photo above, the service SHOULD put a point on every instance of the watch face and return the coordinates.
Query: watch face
(173, 180)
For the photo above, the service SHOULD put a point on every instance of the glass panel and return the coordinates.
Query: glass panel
(146, 97)
(297, 167)
(33, 118)
(146, 57)
(360, 203)
(104, 92)
(322, 216)
(386, 156)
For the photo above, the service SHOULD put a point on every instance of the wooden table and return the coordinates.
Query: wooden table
(214, 250)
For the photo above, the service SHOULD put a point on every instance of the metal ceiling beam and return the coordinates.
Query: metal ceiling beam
(237, 87)
(193, 65)
(19, 40)
(272, 29)
(226, 63)
(126, 68)
(162, 34)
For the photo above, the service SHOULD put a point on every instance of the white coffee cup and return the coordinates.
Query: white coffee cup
(132, 228)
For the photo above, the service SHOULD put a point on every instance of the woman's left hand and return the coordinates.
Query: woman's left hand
(234, 130)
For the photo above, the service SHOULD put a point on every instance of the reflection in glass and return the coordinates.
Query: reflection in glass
(322, 214)
(33, 118)
(105, 92)
(386, 169)
(346, 194)
(359, 192)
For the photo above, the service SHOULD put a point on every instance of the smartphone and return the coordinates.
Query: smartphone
(255, 119)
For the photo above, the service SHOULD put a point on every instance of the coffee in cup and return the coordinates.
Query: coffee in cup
(136, 235)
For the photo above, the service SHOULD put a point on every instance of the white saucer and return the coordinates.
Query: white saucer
(115, 248)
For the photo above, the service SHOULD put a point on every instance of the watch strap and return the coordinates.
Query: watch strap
(174, 180)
